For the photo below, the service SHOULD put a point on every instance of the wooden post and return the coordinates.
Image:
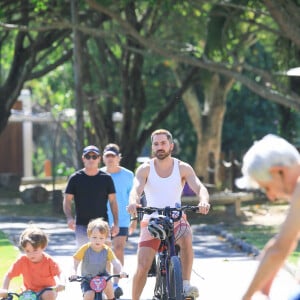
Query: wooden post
(48, 168)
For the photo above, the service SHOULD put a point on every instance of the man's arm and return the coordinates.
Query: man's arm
(67, 207)
(277, 250)
(115, 212)
(114, 208)
(139, 182)
(189, 175)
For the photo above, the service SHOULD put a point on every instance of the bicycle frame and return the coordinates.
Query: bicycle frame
(168, 273)
(27, 295)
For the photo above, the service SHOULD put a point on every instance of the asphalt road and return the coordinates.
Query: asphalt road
(220, 270)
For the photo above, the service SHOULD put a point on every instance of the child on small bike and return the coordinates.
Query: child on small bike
(38, 268)
(95, 258)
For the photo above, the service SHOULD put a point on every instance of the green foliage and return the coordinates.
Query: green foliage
(249, 117)
(40, 5)
(63, 170)
(9, 254)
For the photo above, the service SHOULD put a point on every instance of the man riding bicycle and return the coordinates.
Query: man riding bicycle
(162, 180)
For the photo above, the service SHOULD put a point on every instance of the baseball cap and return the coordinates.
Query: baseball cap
(111, 150)
(91, 148)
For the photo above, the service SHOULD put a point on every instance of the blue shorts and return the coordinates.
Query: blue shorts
(123, 231)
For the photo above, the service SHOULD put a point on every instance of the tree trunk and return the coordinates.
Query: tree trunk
(208, 123)
(78, 81)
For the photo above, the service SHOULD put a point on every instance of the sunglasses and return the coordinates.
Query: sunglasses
(94, 157)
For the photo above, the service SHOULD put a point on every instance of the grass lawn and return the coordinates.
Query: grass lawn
(8, 255)
(259, 236)
(256, 235)
(31, 210)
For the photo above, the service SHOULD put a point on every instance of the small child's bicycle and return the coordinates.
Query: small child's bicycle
(97, 283)
(27, 295)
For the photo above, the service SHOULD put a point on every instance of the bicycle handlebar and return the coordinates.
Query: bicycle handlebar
(150, 209)
(166, 211)
(79, 278)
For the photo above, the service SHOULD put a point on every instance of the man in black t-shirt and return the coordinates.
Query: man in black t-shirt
(90, 189)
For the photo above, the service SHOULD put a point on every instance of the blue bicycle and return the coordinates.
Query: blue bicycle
(168, 284)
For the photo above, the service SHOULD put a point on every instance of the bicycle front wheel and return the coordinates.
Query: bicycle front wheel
(160, 290)
(175, 277)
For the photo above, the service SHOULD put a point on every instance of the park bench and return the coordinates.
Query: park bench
(231, 200)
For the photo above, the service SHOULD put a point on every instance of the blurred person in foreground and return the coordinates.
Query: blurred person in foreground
(123, 179)
(91, 189)
(273, 165)
(162, 179)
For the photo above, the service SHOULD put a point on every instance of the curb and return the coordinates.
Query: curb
(240, 244)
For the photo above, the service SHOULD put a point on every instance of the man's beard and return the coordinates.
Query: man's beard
(161, 154)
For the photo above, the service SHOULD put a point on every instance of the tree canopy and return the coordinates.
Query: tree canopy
(143, 58)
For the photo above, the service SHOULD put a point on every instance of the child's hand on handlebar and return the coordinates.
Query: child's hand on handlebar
(3, 292)
(73, 277)
(59, 288)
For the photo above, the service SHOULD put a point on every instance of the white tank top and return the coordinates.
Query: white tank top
(163, 191)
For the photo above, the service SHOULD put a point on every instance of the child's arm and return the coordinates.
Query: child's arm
(60, 282)
(118, 267)
(75, 267)
(6, 282)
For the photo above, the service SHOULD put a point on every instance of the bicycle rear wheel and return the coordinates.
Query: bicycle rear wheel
(160, 289)
(175, 277)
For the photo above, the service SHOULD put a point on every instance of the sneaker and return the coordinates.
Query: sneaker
(191, 291)
(118, 292)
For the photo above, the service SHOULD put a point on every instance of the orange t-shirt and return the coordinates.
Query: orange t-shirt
(36, 276)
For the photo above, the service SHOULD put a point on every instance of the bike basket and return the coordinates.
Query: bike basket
(28, 295)
(98, 284)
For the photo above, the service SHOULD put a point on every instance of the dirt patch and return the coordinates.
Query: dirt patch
(266, 214)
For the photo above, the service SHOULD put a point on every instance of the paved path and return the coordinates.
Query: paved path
(219, 270)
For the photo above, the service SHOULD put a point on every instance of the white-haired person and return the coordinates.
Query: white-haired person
(273, 165)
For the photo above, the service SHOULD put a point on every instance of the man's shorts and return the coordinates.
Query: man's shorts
(147, 240)
(122, 232)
